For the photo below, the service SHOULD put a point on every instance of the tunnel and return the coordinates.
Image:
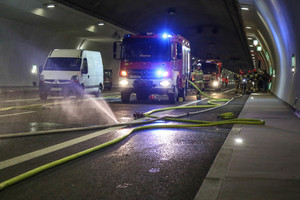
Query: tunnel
(243, 34)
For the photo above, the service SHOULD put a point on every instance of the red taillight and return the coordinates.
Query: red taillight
(123, 73)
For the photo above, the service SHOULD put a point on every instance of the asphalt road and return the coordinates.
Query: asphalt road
(150, 164)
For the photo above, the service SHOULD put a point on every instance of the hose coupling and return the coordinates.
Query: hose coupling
(138, 115)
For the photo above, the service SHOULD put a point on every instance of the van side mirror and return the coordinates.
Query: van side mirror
(117, 50)
(40, 69)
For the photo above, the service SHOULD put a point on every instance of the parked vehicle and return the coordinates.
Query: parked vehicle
(212, 74)
(107, 79)
(71, 72)
(153, 64)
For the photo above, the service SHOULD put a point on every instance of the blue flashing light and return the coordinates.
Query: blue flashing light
(127, 35)
(162, 73)
(165, 35)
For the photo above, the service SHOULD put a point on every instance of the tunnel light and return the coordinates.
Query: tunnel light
(258, 48)
(100, 24)
(250, 45)
(248, 27)
(51, 4)
(249, 38)
(244, 8)
(34, 69)
(251, 50)
(255, 42)
(238, 140)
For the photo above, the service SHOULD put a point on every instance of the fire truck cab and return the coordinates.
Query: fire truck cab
(153, 64)
(212, 78)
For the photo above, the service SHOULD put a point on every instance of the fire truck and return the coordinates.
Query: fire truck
(153, 64)
(212, 77)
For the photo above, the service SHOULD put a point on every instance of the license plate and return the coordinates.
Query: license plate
(56, 89)
(134, 76)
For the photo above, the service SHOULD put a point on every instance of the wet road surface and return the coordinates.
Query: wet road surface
(149, 164)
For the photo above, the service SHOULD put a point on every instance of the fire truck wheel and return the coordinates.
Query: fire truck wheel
(125, 96)
(173, 96)
(182, 94)
(43, 95)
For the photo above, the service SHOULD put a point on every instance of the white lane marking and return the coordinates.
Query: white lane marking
(15, 100)
(41, 152)
(14, 114)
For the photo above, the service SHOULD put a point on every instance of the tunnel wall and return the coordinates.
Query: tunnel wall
(27, 41)
(281, 20)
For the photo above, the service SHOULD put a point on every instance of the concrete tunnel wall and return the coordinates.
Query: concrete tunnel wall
(23, 45)
(281, 19)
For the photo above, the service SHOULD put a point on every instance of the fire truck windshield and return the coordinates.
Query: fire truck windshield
(209, 68)
(146, 49)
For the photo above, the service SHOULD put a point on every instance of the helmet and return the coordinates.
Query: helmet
(199, 65)
(254, 70)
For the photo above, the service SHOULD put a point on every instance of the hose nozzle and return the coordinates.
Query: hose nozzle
(138, 115)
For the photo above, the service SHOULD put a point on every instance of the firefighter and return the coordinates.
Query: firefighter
(249, 87)
(255, 80)
(223, 81)
(197, 78)
(236, 78)
(243, 82)
(226, 82)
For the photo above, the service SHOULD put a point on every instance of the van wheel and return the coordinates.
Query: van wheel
(98, 93)
(125, 96)
(43, 95)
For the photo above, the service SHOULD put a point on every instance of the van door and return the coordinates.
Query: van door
(85, 77)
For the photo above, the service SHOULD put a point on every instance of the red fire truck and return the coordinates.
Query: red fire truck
(153, 64)
(212, 76)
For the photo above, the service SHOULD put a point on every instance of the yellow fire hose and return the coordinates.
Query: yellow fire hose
(193, 123)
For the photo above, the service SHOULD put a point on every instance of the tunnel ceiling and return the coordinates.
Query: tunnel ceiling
(213, 27)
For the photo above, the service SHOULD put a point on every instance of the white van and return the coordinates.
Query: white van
(70, 72)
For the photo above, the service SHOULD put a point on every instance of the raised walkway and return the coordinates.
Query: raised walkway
(258, 162)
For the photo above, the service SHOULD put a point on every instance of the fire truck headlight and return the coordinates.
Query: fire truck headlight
(165, 83)
(123, 82)
(215, 83)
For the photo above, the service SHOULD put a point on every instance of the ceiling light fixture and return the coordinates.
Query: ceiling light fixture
(244, 8)
(248, 27)
(255, 42)
(50, 4)
(249, 38)
(100, 24)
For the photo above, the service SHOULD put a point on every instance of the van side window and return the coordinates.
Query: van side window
(84, 69)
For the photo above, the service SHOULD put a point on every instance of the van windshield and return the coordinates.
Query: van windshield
(63, 64)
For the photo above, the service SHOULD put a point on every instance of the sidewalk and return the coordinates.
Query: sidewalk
(258, 162)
